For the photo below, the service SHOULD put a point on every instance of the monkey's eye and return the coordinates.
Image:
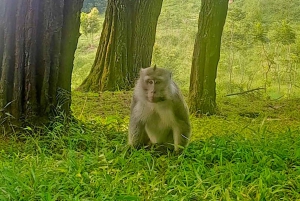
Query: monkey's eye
(157, 81)
(150, 81)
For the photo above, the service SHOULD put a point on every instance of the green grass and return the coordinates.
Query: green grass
(232, 156)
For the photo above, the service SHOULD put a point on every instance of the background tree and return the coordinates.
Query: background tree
(38, 41)
(202, 93)
(90, 24)
(259, 33)
(233, 39)
(126, 44)
(286, 36)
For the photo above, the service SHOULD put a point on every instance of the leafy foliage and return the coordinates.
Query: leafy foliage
(259, 33)
(90, 23)
(284, 33)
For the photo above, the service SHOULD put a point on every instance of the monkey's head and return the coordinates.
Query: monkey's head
(156, 83)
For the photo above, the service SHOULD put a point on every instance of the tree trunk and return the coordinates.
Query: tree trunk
(126, 44)
(38, 39)
(206, 55)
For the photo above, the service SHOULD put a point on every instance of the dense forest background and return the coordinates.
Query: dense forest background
(260, 46)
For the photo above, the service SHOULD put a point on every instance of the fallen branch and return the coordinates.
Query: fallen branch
(244, 92)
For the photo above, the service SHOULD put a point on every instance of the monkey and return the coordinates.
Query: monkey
(158, 113)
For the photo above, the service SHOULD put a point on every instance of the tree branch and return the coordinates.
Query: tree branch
(244, 92)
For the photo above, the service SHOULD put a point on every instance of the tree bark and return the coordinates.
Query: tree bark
(125, 46)
(206, 55)
(37, 44)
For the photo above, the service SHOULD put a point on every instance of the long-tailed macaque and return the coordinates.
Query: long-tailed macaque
(159, 114)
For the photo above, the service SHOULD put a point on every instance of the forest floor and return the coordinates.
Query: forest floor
(249, 151)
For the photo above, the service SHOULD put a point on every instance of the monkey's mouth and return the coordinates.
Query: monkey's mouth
(156, 99)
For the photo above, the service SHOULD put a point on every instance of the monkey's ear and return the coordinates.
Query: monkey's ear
(154, 67)
(141, 71)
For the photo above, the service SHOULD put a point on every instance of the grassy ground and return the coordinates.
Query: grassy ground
(251, 153)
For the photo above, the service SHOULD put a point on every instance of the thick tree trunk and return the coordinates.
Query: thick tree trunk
(126, 44)
(37, 43)
(202, 93)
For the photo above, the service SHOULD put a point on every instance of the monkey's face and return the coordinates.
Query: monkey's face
(155, 83)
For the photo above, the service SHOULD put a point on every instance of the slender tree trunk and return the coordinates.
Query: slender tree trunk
(38, 39)
(125, 46)
(290, 71)
(202, 94)
(231, 56)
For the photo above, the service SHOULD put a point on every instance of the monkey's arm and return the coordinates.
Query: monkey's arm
(182, 131)
(137, 135)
